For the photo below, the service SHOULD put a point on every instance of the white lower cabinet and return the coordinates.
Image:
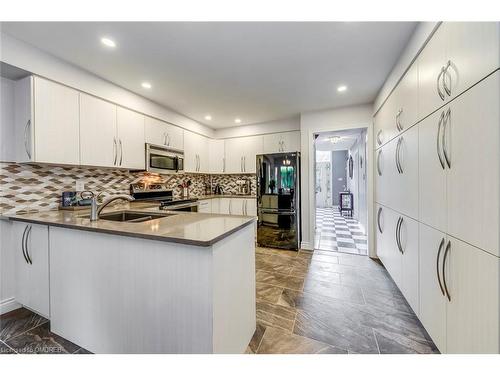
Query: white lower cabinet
(234, 206)
(205, 206)
(433, 301)
(31, 247)
(472, 312)
(397, 248)
(225, 206)
(459, 289)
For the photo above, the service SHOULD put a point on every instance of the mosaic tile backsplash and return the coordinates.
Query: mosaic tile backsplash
(30, 188)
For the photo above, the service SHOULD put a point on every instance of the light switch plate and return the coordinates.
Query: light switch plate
(80, 185)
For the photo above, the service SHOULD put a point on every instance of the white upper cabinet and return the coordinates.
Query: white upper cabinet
(472, 147)
(195, 153)
(47, 122)
(399, 112)
(98, 141)
(162, 134)
(458, 55)
(130, 135)
(216, 156)
(281, 142)
(241, 153)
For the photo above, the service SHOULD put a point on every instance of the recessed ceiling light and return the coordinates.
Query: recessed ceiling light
(237, 120)
(208, 117)
(342, 88)
(108, 42)
(146, 85)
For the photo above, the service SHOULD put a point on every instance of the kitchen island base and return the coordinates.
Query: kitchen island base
(116, 294)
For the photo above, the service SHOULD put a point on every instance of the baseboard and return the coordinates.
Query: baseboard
(306, 245)
(8, 304)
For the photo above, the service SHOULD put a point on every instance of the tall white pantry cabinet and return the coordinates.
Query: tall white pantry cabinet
(437, 186)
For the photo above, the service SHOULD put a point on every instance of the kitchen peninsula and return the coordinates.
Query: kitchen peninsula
(179, 283)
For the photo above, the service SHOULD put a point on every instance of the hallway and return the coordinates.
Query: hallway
(337, 233)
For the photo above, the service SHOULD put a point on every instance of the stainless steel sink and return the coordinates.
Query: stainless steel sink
(131, 216)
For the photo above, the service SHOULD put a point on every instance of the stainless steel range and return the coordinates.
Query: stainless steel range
(165, 197)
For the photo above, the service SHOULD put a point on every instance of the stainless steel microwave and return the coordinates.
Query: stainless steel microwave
(164, 160)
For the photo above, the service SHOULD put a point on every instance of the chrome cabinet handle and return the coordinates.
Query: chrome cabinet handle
(241, 164)
(438, 150)
(23, 245)
(379, 140)
(244, 163)
(399, 237)
(26, 244)
(115, 152)
(223, 164)
(164, 138)
(121, 152)
(398, 120)
(379, 171)
(448, 247)
(230, 205)
(446, 74)
(440, 93)
(26, 127)
(378, 220)
(441, 245)
(168, 139)
(447, 118)
(396, 156)
(397, 234)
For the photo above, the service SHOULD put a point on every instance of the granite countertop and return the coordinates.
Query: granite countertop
(190, 228)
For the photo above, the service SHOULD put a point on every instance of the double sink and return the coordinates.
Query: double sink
(130, 216)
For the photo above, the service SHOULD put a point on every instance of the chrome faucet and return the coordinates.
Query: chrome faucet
(95, 209)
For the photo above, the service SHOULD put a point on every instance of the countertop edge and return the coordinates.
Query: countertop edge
(137, 235)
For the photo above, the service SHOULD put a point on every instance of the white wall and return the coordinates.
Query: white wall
(34, 60)
(276, 126)
(329, 120)
(420, 36)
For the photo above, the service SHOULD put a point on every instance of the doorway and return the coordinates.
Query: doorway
(340, 191)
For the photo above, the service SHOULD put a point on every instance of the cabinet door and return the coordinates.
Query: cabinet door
(205, 206)
(432, 172)
(408, 234)
(191, 151)
(472, 136)
(216, 162)
(237, 206)
(392, 261)
(216, 205)
(405, 100)
(130, 136)
(251, 207)
(225, 206)
(162, 134)
(432, 311)
(56, 123)
(31, 246)
(473, 316)
(385, 174)
(234, 148)
(381, 232)
(384, 123)
(404, 195)
(281, 142)
(98, 141)
(203, 155)
(252, 147)
(430, 62)
(473, 51)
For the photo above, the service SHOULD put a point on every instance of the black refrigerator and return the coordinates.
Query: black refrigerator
(278, 200)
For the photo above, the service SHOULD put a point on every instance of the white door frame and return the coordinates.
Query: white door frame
(369, 181)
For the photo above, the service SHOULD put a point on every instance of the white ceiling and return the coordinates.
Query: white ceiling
(255, 71)
(347, 140)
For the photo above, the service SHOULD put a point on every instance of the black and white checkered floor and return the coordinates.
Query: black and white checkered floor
(337, 233)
